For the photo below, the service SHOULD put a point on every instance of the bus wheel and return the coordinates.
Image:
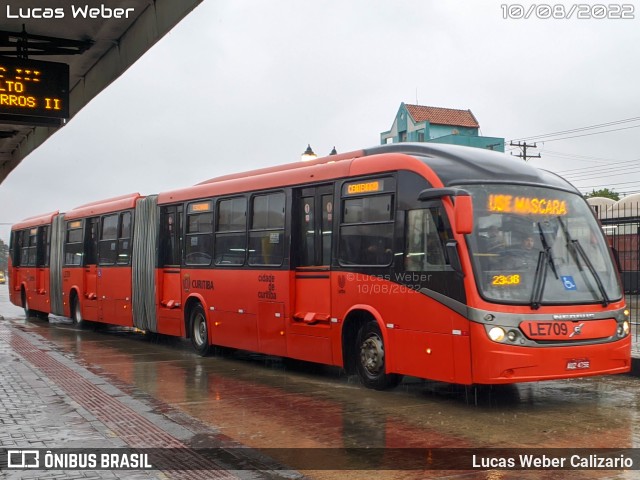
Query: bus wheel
(371, 360)
(27, 311)
(199, 331)
(76, 311)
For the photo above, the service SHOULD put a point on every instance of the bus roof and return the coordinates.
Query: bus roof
(442, 165)
(36, 221)
(123, 202)
(459, 165)
(300, 174)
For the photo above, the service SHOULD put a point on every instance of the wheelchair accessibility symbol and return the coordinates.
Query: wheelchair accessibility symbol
(569, 284)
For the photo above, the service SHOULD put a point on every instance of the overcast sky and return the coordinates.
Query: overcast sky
(241, 84)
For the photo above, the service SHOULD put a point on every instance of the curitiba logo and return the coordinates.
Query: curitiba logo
(188, 284)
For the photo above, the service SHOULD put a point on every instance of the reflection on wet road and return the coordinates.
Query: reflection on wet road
(266, 402)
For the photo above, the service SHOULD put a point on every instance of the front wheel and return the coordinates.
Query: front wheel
(370, 361)
(199, 331)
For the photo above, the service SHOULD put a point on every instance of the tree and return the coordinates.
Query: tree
(604, 192)
(4, 256)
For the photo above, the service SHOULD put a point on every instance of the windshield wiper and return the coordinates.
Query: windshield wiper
(539, 280)
(545, 260)
(577, 251)
(547, 251)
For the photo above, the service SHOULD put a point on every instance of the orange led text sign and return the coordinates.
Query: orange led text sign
(365, 187)
(33, 92)
(526, 205)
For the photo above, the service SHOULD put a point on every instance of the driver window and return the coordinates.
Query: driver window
(425, 240)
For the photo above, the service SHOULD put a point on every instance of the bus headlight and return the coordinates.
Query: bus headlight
(624, 328)
(496, 334)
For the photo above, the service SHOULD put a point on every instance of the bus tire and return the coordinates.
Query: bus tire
(370, 358)
(25, 304)
(199, 331)
(76, 311)
(27, 311)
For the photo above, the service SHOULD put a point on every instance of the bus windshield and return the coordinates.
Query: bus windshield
(535, 245)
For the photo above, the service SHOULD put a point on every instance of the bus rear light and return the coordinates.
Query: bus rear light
(496, 334)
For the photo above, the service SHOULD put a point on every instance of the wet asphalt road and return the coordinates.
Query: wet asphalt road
(265, 402)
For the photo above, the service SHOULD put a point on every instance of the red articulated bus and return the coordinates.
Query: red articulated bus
(441, 262)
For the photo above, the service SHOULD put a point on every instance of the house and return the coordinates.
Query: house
(420, 123)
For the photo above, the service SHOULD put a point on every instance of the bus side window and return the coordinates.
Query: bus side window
(91, 241)
(29, 247)
(73, 250)
(107, 246)
(44, 243)
(425, 239)
(366, 232)
(124, 239)
(199, 236)
(13, 241)
(231, 232)
(266, 237)
(18, 239)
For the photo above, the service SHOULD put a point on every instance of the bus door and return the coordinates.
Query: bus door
(169, 285)
(312, 234)
(114, 272)
(28, 264)
(41, 287)
(90, 270)
(436, 326)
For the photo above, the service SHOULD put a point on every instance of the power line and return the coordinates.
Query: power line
(591, 134)
(612, 184)
(555, 153)
(621, 167)
(594, 176)
(580, 129)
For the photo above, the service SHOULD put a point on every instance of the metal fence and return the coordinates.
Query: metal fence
(621, 224)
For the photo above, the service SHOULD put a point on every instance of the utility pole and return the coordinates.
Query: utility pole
(523, 147)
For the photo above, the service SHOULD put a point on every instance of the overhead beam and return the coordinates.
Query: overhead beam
(152, 24)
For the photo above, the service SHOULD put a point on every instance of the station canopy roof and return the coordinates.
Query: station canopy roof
(97, 50)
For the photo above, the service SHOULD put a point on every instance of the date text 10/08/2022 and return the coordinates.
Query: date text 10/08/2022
(578, 11)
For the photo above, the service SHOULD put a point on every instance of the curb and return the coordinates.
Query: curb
(635, 367)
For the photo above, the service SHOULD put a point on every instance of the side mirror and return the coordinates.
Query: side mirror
(463, 214)
(462, 206)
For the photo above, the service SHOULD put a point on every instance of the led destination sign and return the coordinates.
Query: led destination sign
(33, 92)
(364, 187)
(526, 205)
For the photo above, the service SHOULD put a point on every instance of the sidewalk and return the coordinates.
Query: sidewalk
(49, 401)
